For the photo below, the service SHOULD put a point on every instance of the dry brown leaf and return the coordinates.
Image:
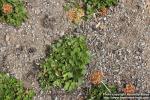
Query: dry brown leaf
(7, 8)
(129, 89)
(96, 77)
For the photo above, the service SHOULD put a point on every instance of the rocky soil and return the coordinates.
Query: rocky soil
(119, 43)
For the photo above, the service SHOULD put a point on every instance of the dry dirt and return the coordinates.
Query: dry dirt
(120, 45)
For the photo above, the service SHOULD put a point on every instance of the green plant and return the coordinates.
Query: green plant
(97, 92)
(12, 89)
(65, 66)
(90, 6)
(12, 12)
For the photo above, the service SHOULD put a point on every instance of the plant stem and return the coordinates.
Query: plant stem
(107, 88)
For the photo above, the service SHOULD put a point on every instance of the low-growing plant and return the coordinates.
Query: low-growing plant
(97, 92)
(98, 88)
(91, 6)
(65, 66)
(12, 89)
(75, 13)
(12, 12)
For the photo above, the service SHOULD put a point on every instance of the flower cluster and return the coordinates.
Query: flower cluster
(7, 8)
(75, 15)
(96, 77)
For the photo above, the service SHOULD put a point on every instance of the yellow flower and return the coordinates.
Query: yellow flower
(75, 15)
(7, 8)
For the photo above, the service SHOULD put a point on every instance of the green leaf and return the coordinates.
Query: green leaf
(57, 83)
(72, 86)
(9, 1)
(68, 75)
(66, 87)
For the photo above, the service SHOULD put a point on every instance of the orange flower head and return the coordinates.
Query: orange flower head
(75, 14)
(129, 89)
(96, 77)
(7, 8)
(103, 11)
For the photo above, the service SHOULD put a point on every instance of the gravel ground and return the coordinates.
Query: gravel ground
(119, 43)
